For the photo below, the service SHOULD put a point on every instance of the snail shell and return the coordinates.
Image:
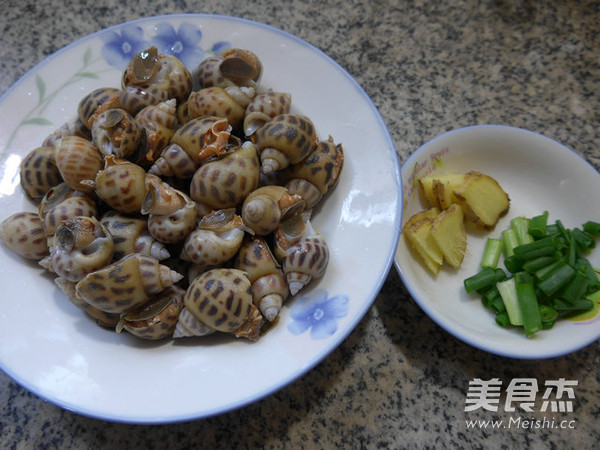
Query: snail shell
(77, 160)
(115, 132)
(121, 184)
(96, 102)
(157, 318)
(302, 251)
(130, 235)
(24, 234)
(61, 203)
(222, 300)
(264, 107)
(267, 206)
(189, 326)
(39, 172)
(193, 143)
(317, 173)
(102, 318)
(161, 198)
(216, 239)
(269, 286)
(74, 127)
(126, 284)
(159, 122)
(227, 181)
(81, 245)
(174, 227)
(234, 66)
(152, 78)
(214, 101)
(285, 139)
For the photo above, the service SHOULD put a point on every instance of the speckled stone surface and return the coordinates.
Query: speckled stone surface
(399, 380)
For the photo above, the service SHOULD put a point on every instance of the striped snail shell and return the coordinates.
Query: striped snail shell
(263, 107)
(96, 102)
(216, 239)
(302, 252)
(214, 101)
(225, 182)
(80, 246)
(176, 226)
(130, 235)
(312, 177)
(126, 284)
(159, 122)
(24, 234)
(269, 286)
(62, 202)
(39, 173)
(189, 326)
(232, 67)
(157, 318)
(222, 300)
(121, 184)
(77, 159)
(193, 143)
(115, 132)
(267, 206)
(285, 139)
(151, 78)
(102, 318)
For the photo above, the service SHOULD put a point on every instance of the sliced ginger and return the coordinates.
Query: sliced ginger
(448, 231)
(417, 232)
(438, 234)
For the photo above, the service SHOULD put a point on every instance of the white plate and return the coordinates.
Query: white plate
(538, 174)
(52, 349)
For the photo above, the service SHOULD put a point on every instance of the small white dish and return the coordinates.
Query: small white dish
(51, 348)
(538, 174)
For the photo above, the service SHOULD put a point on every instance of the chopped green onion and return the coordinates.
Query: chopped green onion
(583, 240)
(592, 228)
(502, 319)
(484, 279)
(548, 314)
(538, 225)
(544, 247)
(510, 241)
(528, 304)
(521, 226)
(548, 277)
(535, 264)
(508, 292)
(558, 277)
(576, 288)
(513, 263)
(564, 308)
(491, 253)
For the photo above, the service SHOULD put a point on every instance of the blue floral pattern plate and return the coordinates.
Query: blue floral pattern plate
(55, 351)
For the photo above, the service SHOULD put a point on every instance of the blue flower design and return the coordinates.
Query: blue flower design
(220, 46)
(182, 43)
(119, 48)
(318, 312)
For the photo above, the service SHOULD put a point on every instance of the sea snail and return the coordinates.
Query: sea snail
(269, 285)
(285, 139)
(221, 299)
(79, 246)
(267, 206)
(126, 284)
(302, 252)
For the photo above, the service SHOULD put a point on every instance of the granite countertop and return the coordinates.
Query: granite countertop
(398, 380)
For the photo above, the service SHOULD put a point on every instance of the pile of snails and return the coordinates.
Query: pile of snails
(180, 204)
